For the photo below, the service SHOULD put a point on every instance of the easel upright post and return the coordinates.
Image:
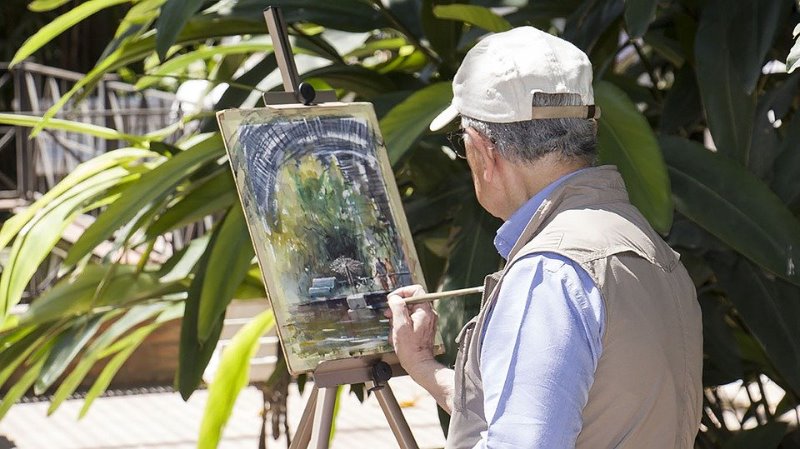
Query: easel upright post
(282, 49)
(294, 90)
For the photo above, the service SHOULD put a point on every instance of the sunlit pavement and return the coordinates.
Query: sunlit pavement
(163, 420)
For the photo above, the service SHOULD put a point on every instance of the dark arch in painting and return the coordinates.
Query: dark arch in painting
(267, 147)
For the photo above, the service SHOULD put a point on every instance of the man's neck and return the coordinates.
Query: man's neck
(524, 180)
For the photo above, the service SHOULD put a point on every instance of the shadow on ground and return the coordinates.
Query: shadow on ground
(5, 443)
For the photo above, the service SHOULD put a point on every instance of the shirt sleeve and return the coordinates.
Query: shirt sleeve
(539, 353)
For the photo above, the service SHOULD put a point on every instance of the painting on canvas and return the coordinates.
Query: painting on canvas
(326, 222)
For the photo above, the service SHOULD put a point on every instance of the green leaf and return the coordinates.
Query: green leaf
(233, 250)
(88, 169)
(33, 368)
(64, 22)
(252, 287)
(408, 60)
(407, 121)
(151, 187)
(772, 107)
(13, 351)
(11, 322)
(590, 20)
(733, 205)
(764, 436)
(37, 238)
(122, 352)
(315, 43)
(194, 354)
(667, 47)
(143, 12)
(111, 368)
(79, 294)
(787, 165)
(337, 405)
(135, 316)
(366, 83)
(752, 26)
(478, 16)
(427, 211)
(769, 308)
(356, 16)
(625, 139)
(102, 132)
(45, 5)
(604, 56)
(639, 14)
(232, 375)
(178, 63)
(787, 404)
(370, 47)
(793, 59)
(171, 20)
(135, 48)
(183, 262)
(541, 12)
(682, 107)
(237, 93)
(66, 347)
(723, 363)
(214, 195)
(442, 35)
(431, 260)
(729, 108)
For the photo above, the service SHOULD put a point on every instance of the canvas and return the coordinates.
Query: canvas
(326, 222)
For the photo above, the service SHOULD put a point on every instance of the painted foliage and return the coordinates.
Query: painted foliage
(327, 227)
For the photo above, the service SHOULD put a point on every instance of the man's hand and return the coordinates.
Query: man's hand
(412, 335)
(413, 329)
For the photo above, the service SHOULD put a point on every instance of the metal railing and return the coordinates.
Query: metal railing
(30, 166)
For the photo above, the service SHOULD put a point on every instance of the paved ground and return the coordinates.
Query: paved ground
(163, 420)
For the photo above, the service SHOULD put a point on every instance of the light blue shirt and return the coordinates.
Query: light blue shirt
(541, 345)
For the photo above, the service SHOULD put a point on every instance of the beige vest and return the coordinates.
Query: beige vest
(647, 391)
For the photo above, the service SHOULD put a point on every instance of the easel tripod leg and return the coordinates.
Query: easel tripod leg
(323, 417)
(397, 422)
(303, 435)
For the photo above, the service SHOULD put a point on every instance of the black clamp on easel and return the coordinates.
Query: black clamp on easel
(317, 419)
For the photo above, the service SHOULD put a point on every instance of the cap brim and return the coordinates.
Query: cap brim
(444, 118)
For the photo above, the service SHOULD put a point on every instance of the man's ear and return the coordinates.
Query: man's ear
(484, 149)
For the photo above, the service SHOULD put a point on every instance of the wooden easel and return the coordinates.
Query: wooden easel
(317, 419)
(315, 424)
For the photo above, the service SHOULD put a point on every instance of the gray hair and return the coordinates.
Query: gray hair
(571, 138)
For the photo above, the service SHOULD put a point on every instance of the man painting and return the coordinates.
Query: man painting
(591, 335)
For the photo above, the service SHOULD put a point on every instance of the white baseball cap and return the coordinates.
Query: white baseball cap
(499, 75)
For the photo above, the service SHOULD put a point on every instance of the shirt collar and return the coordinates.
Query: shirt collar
(511, 230)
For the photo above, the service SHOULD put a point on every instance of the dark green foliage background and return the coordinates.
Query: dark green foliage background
(671, 76)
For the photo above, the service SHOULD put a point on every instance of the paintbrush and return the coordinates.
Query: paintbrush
(428, 297)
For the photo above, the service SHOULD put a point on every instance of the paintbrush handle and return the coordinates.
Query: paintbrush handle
(428, 297)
